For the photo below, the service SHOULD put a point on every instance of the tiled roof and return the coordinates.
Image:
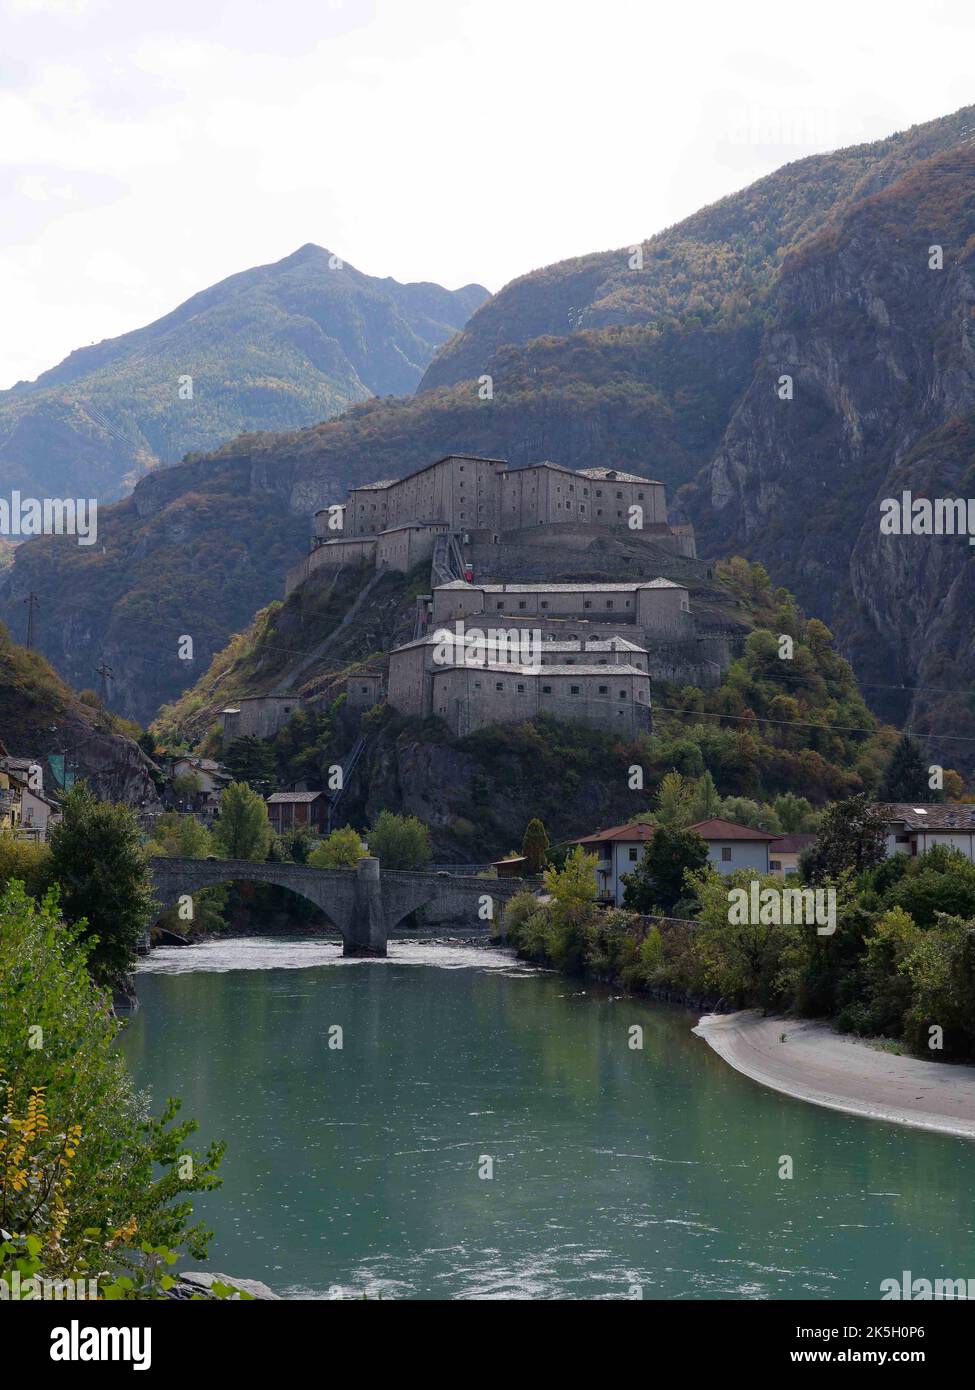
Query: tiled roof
(279, 797)
(930, 815)
(577, 644)
(718, 829)
(636, 830)
(543, 587)
(583, 669)
(791, 844)
(613, 475)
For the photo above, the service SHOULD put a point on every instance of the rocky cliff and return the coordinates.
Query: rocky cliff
(40, 716)
(865, 389)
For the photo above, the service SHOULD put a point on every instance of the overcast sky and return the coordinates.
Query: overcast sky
(151, 149)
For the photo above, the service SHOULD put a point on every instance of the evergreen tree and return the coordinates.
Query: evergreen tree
(101, 864)
(657, 882)
(534, 846)
(673, 800)
(251, 760)
(705, 801)
(906, 777)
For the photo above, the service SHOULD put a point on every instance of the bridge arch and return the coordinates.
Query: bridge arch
(364, 905)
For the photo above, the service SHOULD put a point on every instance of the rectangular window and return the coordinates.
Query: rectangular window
(775, 863)
(622, 694)
(587, 603)
(604, 690)
(632, 855)
(546, 690)
(521, 689)
(544, 602)
(573, 690)
(726, 854)
(500, 603)
(609, 603)
(499, 685)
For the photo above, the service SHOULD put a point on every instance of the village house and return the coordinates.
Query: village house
(210, 780)
(289, 811)
(784, 853)
(914, 827)
(622, 847)
(25, 809)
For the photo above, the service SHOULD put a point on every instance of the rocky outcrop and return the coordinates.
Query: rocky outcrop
(865, 389)
(199, 1284)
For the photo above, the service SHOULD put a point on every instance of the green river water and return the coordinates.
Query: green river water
(617, 1173)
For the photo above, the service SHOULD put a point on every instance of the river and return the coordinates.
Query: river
(616, 1172)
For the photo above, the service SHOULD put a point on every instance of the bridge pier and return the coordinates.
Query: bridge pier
(366, 933)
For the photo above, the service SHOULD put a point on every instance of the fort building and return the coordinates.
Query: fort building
(394, 523)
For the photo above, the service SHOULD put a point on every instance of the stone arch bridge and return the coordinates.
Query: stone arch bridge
(364, 903)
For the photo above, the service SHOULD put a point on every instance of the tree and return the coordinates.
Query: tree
(705, 801)
(125, 1169)
(795, 813)
(25, 860)
(534, 846)
(186, 785)
(852, 836)
(242, 829)
(400, 842)
(341, 850)
(673, 800)
(746, 959)
(101, 864)
(906, 776)
(251, 760)
(572, 912)
(657, 883)
(180, 837)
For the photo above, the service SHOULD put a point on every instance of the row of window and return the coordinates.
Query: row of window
(547, 689)
(587, 603)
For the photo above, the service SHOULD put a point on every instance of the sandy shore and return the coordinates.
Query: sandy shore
(817, 1065)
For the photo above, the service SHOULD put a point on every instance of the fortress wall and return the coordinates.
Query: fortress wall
(330, 556)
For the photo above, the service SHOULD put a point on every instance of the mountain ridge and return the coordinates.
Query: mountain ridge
(275, 346)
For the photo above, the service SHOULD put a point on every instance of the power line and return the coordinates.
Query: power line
(31, 602)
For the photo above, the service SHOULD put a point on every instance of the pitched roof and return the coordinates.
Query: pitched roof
(718, 829)
(542, 586)
(613, 475)
(930, 815)
(279, 797)
(635, 830)
(791, 844)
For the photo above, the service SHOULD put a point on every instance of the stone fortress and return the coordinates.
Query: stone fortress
(499, 639)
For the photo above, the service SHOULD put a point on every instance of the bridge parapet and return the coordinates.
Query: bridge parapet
(364, 903)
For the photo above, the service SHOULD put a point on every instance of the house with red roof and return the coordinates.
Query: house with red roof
(621, 847)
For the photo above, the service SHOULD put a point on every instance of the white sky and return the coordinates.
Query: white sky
(150, 149)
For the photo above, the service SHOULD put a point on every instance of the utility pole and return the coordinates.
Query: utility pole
(31, 601)
(106, 673)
